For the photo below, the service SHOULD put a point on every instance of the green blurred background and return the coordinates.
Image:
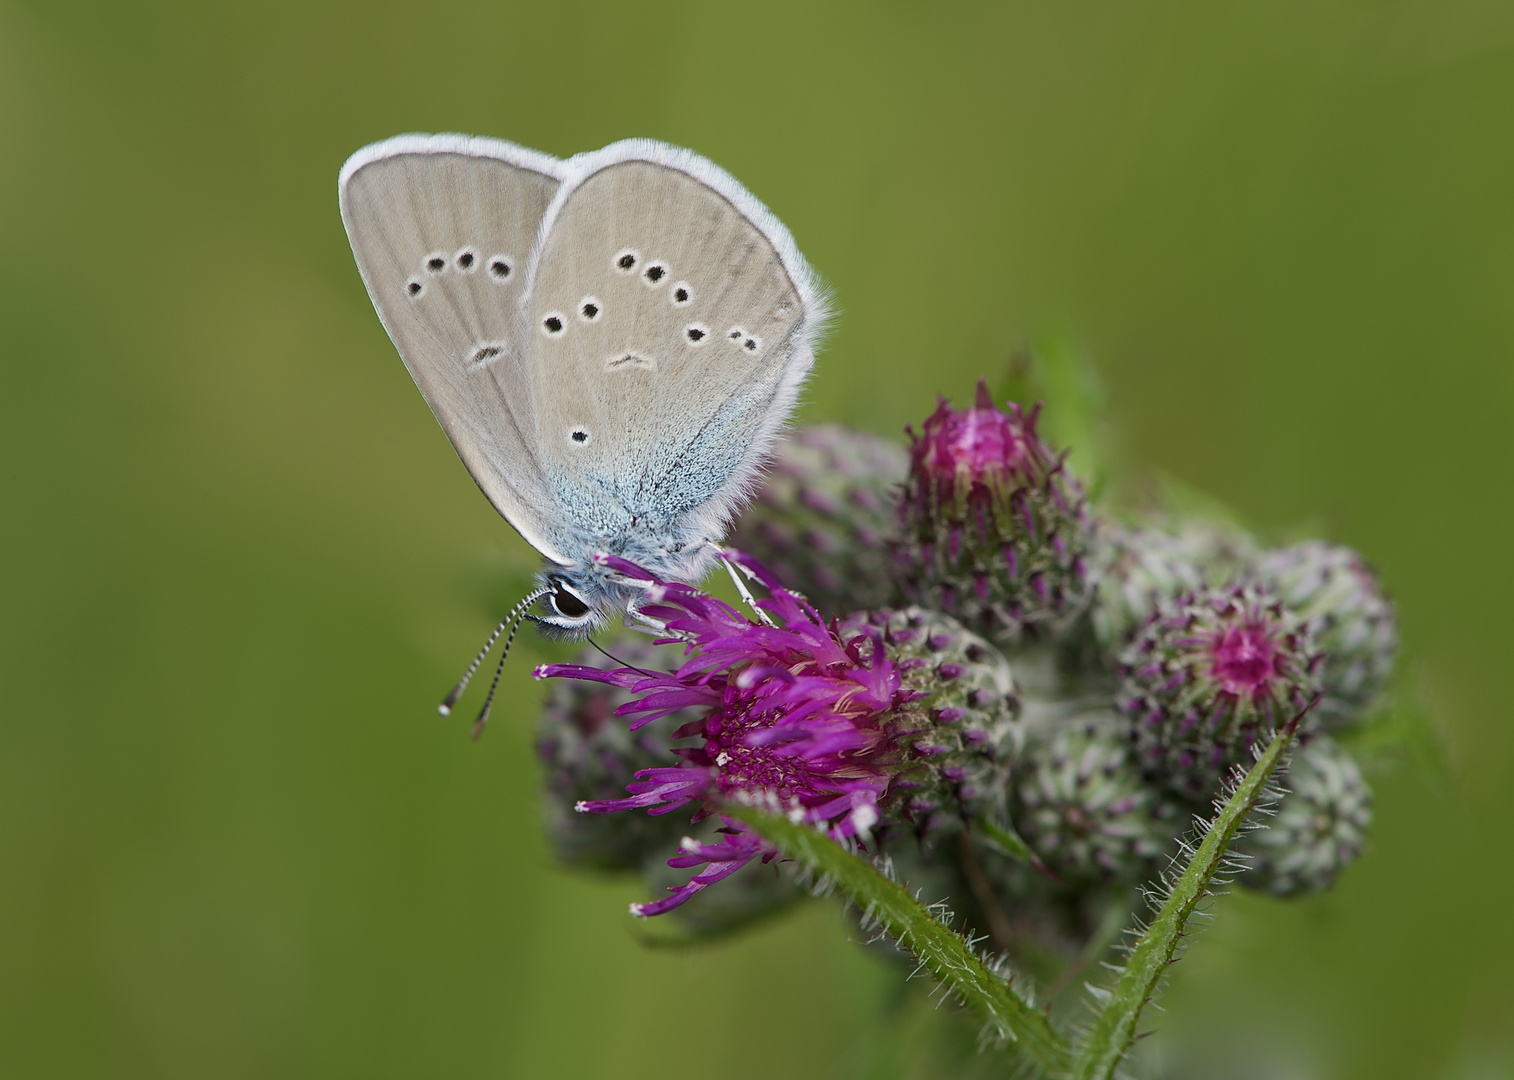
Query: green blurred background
(240, 561)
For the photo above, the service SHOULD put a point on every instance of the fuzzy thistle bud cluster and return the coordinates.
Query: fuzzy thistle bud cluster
(995, 529)
(824, 515)
(957, 668)
(1208, 675)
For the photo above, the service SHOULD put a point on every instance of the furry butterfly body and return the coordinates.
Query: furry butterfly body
(611, 342)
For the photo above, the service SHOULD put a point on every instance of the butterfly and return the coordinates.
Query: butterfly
(611, 342)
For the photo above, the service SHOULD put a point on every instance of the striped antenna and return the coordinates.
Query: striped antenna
(512, 620)
(483, 714)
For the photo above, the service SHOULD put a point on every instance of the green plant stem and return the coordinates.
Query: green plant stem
(939, 949)
(1113, 1031)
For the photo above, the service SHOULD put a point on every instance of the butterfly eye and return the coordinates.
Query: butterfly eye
(553, 324)
(654, 273)
(436, 263)
(626, 260)
(567, 605)
(500, 267)
(579, 436)
(466, 261)
(589, 308)
(682, 293)
(696, 334)
(752, 344)
(414, 288)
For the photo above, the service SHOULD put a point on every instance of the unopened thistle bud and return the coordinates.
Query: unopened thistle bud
(1353, 622)
(961, 724)
(1320, 826)
(589, 753)
(824, 515)
(1081, 805)
(1206, 676)
(1138, 568)
(995, 531)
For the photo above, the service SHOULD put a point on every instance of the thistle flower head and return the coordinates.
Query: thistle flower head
(995, 531)
(791, 717)
(1208, 674)
(1320, 826)
(1353, 622)
(822, 519)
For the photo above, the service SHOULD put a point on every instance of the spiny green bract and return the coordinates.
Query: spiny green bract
(1138, 567)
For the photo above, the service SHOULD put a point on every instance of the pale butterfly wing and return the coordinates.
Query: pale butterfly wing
(671, 323)
(442, 227)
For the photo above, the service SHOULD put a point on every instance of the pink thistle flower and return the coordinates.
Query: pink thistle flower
(795, 719)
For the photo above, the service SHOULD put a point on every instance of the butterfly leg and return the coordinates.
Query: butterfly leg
(633, 611)
(746, 593)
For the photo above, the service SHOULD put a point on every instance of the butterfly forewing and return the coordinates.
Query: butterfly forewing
(442, 227)
(668, 334)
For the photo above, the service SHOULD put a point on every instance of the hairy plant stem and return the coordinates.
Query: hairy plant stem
(940, 950)
(1113, 1031)
(954, 963)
